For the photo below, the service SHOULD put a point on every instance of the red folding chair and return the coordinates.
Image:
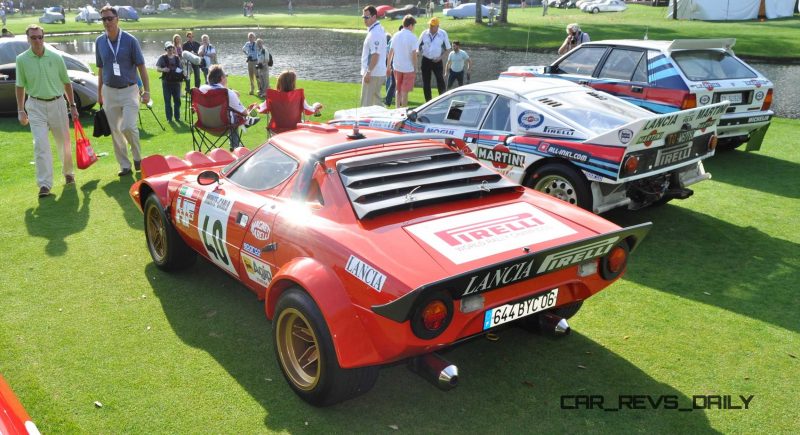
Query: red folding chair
(285, 110)
(213, 125)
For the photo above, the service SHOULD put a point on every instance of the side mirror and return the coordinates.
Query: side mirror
(411, 115)
(548, 69)
(207, 177)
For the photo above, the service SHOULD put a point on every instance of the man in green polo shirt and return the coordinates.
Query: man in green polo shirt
(42, 75)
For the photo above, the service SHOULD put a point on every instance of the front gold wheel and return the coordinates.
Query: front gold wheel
(156, 234)
(298, 349)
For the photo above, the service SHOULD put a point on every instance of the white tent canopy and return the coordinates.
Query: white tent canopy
(725, 10)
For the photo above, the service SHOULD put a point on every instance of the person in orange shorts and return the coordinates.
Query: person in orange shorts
(403, 59)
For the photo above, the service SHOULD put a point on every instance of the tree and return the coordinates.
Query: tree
(478, 9)
(503, 18)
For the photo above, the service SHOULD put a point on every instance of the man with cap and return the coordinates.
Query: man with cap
(373, 59)
(434, 46)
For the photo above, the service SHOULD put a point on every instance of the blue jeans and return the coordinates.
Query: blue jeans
(455, 76)
(172, 99)
(390, 87)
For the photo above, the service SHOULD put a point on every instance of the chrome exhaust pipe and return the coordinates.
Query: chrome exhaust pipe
(554, 325)
(436, 370)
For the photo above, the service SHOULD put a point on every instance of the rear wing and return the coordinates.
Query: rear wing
(702, 44)
(158, 164)
(666, 129)
(527, 267)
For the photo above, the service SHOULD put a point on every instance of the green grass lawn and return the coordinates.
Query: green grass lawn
(527, 28)
(709, 306)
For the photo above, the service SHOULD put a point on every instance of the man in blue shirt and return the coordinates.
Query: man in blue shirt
(118, 57)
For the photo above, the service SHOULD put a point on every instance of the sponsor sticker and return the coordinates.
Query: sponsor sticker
(479, 234)
(501, 156)
(213, 229)
(761, 118)
(186, 191)
(560, 131)
(705, 99)
(257, 270)
(759, 95)
(242, 219)
(365, 273)
(661, 121)
(625, 135)
(260, 229)
(250, 249)
(568, 153)
(184, 211)
(648, 138)
(444, 130)
(381, 124)
(575, 255)
(529, 119)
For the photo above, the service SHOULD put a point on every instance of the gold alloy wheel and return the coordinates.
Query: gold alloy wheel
(156, 234)
(298, 349)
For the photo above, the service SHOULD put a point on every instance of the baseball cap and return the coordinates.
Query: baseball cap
(168, 44)
(434, 21)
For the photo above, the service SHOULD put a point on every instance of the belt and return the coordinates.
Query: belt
(121, 87)
(45, 99)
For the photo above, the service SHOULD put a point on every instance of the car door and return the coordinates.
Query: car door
(459, 114)
(579, 65)
(623, 73)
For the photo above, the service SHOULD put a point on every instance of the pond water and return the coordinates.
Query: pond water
(334, 56)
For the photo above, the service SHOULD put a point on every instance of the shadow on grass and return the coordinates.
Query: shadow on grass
(696, 256)
(748, 170)
(515, 383)
(58, 217)
(118, 190)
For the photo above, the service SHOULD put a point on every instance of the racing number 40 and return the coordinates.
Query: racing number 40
(216, 247)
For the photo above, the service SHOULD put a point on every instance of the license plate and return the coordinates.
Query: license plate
(733, 98)
(679, 137)
(674, 155)
(510, 312)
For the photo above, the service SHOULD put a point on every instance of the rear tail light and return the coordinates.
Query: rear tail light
(767, 101)
(613, 264)
(689, 101)
(631, 164)
(712, 142)
(432, 315)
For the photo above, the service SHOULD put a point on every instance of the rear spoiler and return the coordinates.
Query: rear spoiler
(648, 132)
(702, 44)
(158, 164)
(528, 266)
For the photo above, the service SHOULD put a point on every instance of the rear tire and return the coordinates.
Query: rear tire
(306, 356)
(563, 182)
(729, 144)
(167, 248)
(595, 10)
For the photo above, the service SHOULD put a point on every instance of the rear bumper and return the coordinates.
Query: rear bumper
(740, 124)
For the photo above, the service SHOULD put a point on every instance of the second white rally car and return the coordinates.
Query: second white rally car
(578, 144)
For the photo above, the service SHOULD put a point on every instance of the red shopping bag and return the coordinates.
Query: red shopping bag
(84, 153)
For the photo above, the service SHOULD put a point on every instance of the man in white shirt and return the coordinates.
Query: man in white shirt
(217, 79)
(373, 59)
(434, 45)
(457, 63)
(403, 59)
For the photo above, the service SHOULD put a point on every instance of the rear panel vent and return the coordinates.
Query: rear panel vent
(549, 102)
(408, 179)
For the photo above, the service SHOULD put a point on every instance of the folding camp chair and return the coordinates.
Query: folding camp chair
(285, 110)
(213, 125)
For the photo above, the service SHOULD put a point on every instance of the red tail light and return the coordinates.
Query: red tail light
(631, 164)
(432, 315)
(613, 264)
(767, 101)
(689, 101)
(712, 142)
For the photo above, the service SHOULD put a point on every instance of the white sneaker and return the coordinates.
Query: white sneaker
(251, 121)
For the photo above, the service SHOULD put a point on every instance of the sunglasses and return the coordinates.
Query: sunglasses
(34, 37)
(366, 17)
(108, 19)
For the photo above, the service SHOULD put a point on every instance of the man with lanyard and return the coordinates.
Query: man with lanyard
(251, 51)
(193, 46)
(42, 74)
(118, 57)
(373, 59)
(434, 45)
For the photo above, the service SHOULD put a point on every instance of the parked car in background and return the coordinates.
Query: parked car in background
(465, 10)
(382, 9)
(372, 251)
(580, 145)
(87, 14)
(127, 13)
(604, 6)
(10, 48)
(84, 88)
(667, 76)
(164, 7)
(14, 420)
(52, 16)
(393, 14)
(149, 10)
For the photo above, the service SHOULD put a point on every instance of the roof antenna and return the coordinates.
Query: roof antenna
(645, 33)
(355, 134)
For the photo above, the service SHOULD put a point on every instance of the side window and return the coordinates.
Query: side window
(582, 61)
(464, 109)
(500, 116)
(264, 169)
(621, 64)
(640, 74)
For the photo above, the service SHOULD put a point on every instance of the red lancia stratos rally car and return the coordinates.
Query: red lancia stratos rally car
(14, 420)
(373, 250)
